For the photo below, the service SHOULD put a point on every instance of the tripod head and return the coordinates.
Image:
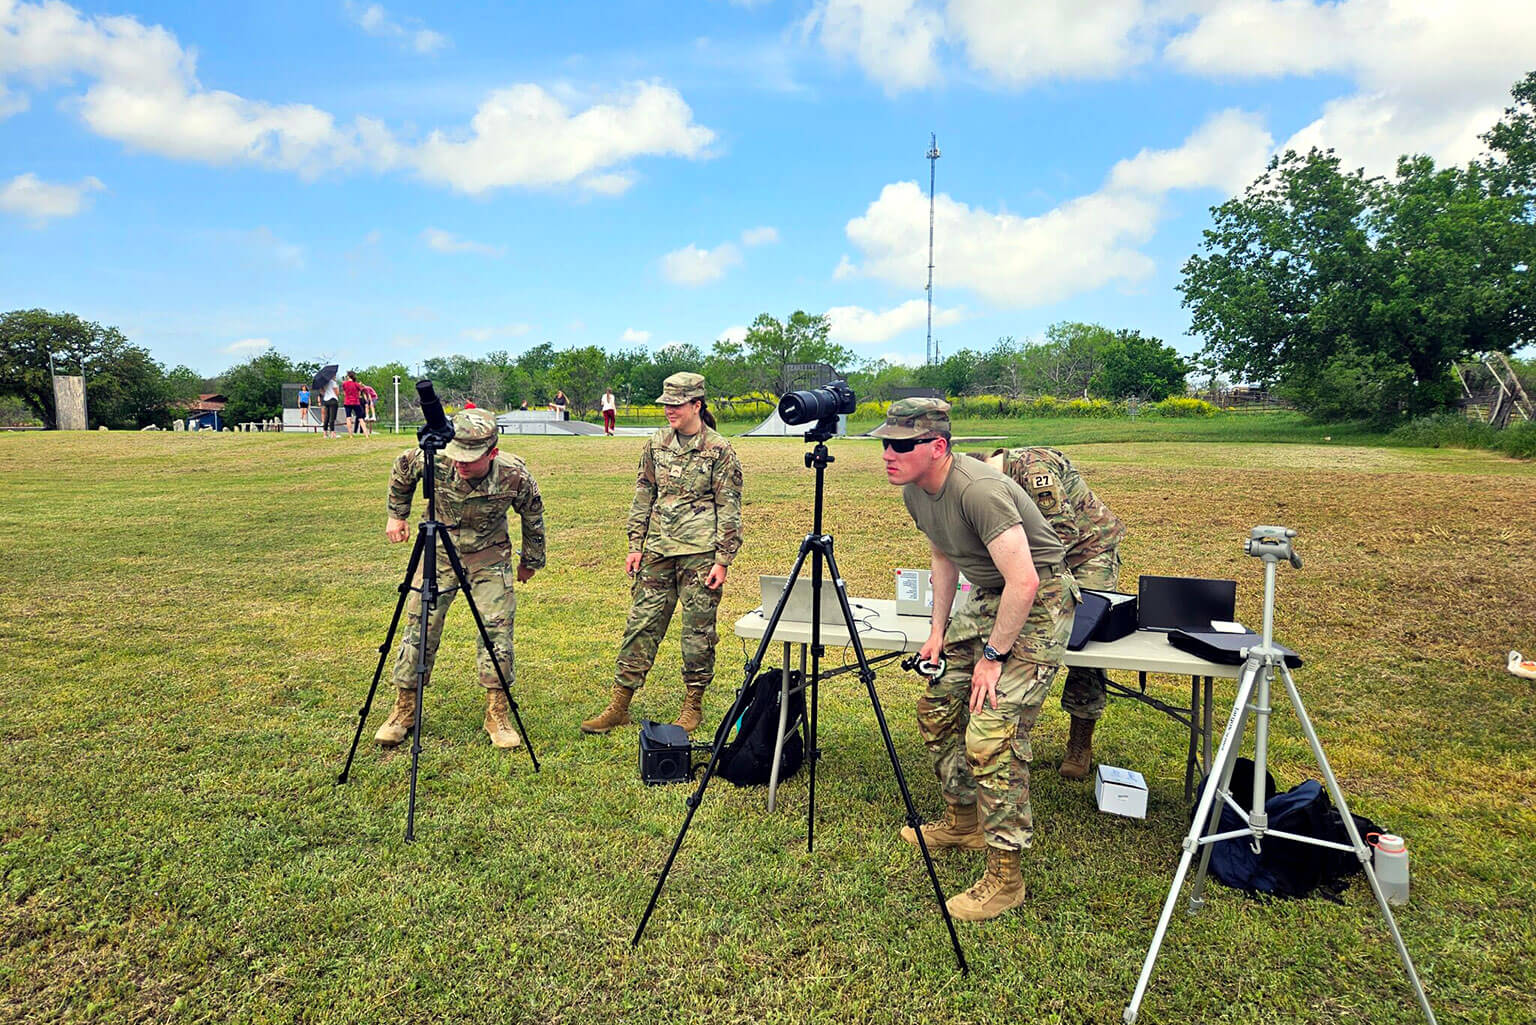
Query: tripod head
(1272, 544)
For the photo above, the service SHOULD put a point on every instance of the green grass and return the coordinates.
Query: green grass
(189, 624)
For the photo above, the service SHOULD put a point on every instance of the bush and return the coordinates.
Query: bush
(1453, 430)
(1180, 406)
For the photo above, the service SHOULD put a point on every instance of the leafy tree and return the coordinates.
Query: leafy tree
(955, 376)
(625, 370)
(803, 338)
(878, 380)
(1133, 365)
(1320, 277)
(1064, 364)
(727, 369)
(536, 363)
(580, 373)
(253, 390)
(125, 387)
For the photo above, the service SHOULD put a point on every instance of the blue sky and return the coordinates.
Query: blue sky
(359, 183)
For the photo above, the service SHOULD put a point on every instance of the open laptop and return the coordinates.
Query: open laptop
(1184, 603)
(798, 609)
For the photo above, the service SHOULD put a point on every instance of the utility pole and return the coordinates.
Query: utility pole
(933, 163)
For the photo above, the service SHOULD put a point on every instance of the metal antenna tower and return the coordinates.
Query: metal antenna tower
(933, 163)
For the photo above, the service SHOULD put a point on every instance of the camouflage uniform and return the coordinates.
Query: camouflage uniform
(990, 769)
(1091, 534)
(474, 514)
(686, 517)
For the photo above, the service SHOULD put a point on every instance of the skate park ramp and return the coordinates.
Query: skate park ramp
(539, 421)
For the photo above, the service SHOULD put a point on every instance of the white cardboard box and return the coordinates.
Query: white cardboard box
(1120, 792)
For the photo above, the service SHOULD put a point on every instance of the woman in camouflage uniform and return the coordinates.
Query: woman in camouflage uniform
(684, 530)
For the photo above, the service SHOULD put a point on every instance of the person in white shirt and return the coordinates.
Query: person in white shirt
(609, 411)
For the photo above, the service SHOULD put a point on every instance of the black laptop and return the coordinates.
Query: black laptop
(1184, 603)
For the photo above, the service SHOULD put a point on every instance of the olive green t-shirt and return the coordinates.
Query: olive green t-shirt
(975, 505)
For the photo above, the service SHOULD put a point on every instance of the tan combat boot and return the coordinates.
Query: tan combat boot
(400, 720)
(1001, 887)
(959, 830)
(1079, 757)
(693, 709)
(616, 714)
(497, 724)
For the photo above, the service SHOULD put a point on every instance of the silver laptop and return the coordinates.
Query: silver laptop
(798, 608)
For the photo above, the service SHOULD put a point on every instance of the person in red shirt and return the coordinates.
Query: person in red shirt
(352, 398)
(370, 408)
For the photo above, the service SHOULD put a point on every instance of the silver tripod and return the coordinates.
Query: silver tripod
(1271, 544)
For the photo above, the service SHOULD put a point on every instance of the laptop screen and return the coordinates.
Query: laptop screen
(1184, 603)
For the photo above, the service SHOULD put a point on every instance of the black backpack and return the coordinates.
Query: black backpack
(1286, 868)
(747, 759)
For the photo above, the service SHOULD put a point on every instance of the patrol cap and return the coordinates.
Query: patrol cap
(474, 434)
(914, 418)
(681, 388)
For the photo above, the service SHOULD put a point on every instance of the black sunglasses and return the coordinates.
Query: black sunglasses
(904, 445)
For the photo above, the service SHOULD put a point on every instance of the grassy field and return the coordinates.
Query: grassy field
(189, 624)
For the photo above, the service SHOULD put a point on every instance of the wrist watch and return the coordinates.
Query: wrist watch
(991, 654)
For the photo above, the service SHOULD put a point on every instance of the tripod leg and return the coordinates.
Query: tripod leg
(694, 800)
(378, 672)
(867, 675)
(429, 600)
(1221, 777)
(1354, 838)
(721, 733)
(1225, 754)
(485, 638)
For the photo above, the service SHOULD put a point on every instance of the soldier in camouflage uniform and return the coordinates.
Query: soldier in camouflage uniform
(684, 530)
(1003, 647)
(1092, 535)
(477, 488)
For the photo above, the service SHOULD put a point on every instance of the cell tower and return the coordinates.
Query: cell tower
(933, 163)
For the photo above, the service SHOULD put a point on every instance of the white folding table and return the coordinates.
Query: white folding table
(881, 629)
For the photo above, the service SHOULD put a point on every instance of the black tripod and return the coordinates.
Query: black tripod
(424, 554)
(819, 547)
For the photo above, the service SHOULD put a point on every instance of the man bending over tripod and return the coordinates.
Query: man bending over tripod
(1002, 648)
(476, 488)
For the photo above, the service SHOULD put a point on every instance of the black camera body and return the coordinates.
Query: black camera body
(665, 753)
(821, 406)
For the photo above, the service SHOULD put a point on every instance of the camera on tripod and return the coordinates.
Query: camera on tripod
(819, 405)
(437, 431)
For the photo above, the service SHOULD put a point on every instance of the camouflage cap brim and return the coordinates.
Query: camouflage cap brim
(468, 451)
(900, 432)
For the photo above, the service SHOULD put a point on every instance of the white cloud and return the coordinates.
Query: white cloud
(893, 41)
(11, 103)
(735, 333)
(248, 345)
(1430, 76)
(1226, 152)
(376, 21)
(486, 334)
(635, 336)
(856, 325)
(37, 200)
(905, 359)
(691, 265)
(141, 89)
(1085, 243)
(759, 236)
(845, 269)
(1016, 42)
(442, 241)
(523, 135)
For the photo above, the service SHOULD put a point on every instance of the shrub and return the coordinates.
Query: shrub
(1180, 406)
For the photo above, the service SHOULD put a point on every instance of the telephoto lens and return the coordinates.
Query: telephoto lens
(437, 424)
(802, 407)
